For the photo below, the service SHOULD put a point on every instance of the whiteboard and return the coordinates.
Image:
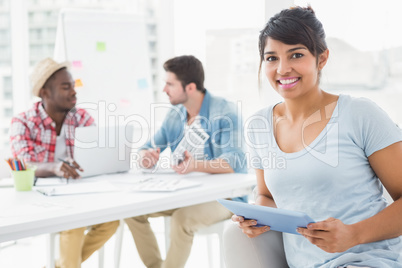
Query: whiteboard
(110, 63)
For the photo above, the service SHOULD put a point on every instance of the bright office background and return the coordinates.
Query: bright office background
(363, 38)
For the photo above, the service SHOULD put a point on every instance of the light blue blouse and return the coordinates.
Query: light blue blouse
(332, 177)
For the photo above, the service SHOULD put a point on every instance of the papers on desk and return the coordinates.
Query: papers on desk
(51, 181)
(78, 188)
(163, 185)
(6, 182)
(58, 181)
(193, 141)
(158, 170)
(32, 209)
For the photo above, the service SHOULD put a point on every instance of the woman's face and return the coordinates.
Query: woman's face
(291, 69)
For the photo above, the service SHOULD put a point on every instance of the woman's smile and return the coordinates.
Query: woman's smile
(288, 82)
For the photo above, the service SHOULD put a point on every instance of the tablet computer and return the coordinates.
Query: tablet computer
(281, 220)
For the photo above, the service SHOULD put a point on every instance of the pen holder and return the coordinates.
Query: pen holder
(23, 179)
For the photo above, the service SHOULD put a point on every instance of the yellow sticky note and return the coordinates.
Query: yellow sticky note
(78, 83)
(100, 46)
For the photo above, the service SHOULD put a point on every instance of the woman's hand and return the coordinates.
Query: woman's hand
(331, 235)
(249, 226)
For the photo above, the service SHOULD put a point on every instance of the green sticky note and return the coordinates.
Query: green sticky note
(100, 46)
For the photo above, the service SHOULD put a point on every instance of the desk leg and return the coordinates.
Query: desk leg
(118, 242)
(167, 232)
(101, 257)
(50, 250)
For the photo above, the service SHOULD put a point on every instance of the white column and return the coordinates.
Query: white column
(20, 55)
(165, 40)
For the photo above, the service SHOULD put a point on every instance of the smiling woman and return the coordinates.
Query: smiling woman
(289, 67)
(339, 151)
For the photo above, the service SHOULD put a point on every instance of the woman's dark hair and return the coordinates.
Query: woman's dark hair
(188, 69)
(296, 25)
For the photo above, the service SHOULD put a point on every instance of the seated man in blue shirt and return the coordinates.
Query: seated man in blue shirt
(217, 120)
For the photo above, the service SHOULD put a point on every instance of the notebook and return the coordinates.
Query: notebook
(103, 150)
(79, 188)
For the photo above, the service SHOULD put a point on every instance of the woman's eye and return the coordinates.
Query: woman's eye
(297, 55)
(270, 58)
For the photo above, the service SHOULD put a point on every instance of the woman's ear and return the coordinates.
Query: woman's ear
(322, 59)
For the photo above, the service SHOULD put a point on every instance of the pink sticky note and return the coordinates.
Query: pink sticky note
(77, 64)
(124, 102)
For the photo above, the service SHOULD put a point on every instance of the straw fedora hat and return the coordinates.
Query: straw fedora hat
(42, 71)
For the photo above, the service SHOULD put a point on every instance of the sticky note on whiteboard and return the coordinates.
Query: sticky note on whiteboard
(101, 46)
(142, 83)
(78, 83)
(76, 64)
(125, 102)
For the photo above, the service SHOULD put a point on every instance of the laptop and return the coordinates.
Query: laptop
(103, 150)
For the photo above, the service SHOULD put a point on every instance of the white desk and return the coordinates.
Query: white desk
(24, 214)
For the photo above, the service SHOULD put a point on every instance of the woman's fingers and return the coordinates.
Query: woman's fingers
(249, 227)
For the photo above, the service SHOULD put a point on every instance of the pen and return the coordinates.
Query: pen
(16, 165)
(66, 162)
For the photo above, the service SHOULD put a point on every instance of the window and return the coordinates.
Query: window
(226, 42)
(8, 112)
(7, 88)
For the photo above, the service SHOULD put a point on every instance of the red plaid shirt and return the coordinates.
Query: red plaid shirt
(33, 133)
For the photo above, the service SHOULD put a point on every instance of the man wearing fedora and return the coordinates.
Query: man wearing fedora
(45, 134)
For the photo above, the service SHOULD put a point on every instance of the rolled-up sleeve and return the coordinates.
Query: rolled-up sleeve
(22, 145)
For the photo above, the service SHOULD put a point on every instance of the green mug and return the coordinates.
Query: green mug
(23, 179)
